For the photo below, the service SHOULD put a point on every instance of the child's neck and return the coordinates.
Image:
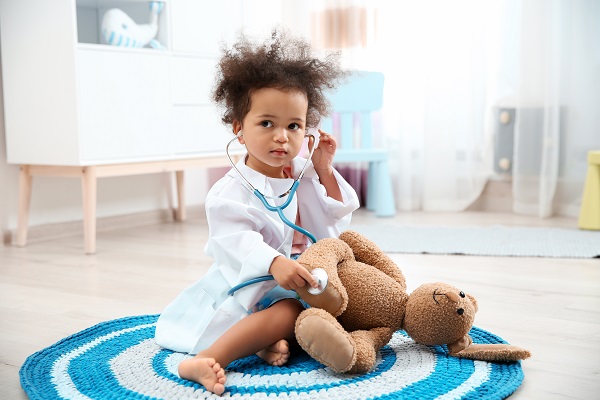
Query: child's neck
(282, 172)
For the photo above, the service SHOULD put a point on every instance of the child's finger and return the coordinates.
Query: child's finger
(307, 276)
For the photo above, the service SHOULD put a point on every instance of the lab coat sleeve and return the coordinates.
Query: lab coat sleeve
(238, 247)
(322, 215)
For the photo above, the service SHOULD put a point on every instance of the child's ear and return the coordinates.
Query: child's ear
(237, 130)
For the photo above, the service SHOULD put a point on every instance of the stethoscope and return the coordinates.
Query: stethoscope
(318, 273)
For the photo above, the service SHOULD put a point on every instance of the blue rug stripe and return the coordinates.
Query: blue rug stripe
(504, 380)
(92, 369)
(430, 387)
(37, 382)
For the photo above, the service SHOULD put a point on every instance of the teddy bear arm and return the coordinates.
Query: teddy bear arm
(493, 352)
(465, 348)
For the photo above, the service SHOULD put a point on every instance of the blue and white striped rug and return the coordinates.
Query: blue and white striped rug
(119, 360)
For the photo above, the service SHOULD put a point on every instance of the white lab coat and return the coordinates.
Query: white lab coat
(244, 238)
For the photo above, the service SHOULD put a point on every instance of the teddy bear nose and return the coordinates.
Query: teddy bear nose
(453, 297)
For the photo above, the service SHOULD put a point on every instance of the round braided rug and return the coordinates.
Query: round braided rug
(119, 360)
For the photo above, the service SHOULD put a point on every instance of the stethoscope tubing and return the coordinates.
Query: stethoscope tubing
(278, 209)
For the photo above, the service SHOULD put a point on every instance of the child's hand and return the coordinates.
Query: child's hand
(290, 274)
(323, 156)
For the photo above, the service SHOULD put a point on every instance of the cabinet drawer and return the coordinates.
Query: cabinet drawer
(124, 104)
(192, 80)
(198, 129)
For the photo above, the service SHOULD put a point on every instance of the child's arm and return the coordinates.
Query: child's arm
(290, 274)
(322, 161)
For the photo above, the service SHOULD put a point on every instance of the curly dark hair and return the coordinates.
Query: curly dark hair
(281, 62)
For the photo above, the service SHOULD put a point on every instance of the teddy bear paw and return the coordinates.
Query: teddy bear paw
(324, 339)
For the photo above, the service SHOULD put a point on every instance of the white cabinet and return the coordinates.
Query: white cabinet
(78, 107)
(72, 100)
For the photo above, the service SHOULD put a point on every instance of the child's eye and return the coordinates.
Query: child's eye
(294, 126)
(266, 124)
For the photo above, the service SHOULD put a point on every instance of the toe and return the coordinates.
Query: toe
(218, 389)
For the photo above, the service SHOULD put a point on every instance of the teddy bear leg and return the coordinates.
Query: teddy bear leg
(324, 339)
(367, 344)
(367, 252)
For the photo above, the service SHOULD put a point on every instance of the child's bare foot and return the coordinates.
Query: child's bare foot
(205, 371)
(276, 354)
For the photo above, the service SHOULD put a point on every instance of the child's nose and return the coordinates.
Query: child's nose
(281, 135)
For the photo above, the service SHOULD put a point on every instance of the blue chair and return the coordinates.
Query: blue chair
(353, 103)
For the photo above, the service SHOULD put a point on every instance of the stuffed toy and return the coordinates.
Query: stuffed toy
(118, 29)
(365, 302)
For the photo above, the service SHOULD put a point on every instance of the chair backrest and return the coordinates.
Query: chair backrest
(352, 104)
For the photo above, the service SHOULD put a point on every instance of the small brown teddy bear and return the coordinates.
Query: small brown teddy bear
(366, 301)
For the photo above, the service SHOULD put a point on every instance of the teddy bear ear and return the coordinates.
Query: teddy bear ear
(473, 301)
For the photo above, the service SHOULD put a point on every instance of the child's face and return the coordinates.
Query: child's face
(273, 130)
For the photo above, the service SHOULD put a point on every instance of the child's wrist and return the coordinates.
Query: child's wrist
(327, 170)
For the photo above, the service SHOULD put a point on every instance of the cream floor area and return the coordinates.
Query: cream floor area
(50, 289)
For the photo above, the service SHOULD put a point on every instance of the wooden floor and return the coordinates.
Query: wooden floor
(50, 289)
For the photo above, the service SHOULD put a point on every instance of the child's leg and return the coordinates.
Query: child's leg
(259, 331)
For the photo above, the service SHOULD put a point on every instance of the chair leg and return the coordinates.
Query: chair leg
(372, 186)
(380, 194)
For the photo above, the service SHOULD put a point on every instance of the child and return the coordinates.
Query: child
(271, 94)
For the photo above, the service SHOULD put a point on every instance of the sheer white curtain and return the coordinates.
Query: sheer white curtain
(557, 99)
(449, 66)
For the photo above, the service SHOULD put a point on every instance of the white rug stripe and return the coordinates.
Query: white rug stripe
(140, 377)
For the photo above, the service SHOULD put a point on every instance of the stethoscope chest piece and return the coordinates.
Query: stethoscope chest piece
(322, 279)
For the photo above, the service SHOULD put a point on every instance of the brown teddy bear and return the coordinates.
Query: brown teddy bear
(365, 302)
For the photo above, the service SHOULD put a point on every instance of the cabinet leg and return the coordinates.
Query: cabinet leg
(25, 183)
(180, 214)
(89, 191)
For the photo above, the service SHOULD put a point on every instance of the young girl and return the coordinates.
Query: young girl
(271, 94)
